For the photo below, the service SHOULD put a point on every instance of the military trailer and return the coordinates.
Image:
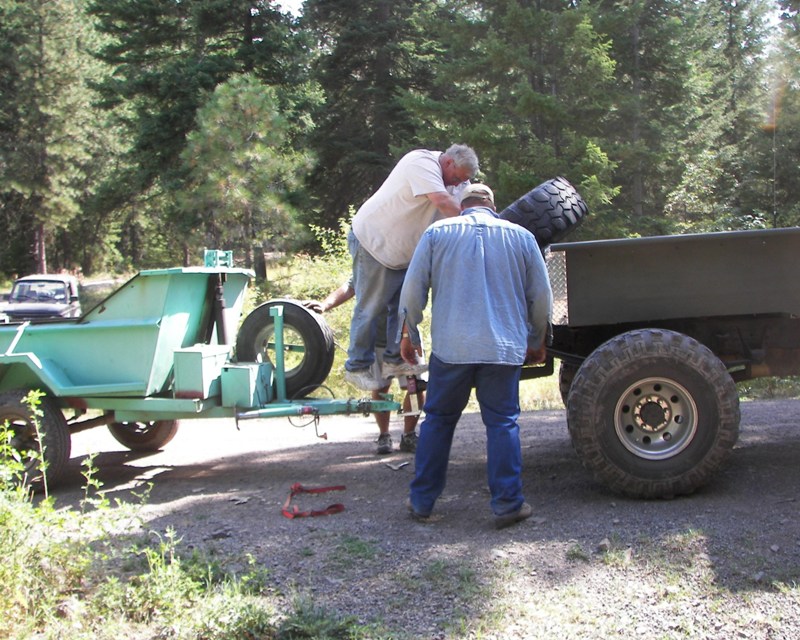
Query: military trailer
(652, 335)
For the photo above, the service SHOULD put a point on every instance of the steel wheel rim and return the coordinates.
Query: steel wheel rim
(23, 438)
(23, 433)
(655, 418)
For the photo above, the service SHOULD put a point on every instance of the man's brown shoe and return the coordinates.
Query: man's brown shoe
(507, 519)
(418, 517)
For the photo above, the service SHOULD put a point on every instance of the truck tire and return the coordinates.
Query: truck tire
(653, 413)
(144, 436)
(549, 211)
(566, 374)
(55, 437)
(309, 347)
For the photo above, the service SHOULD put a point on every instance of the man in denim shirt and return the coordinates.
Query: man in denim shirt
(491, 306)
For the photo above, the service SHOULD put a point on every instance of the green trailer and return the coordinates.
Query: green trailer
(165, 347)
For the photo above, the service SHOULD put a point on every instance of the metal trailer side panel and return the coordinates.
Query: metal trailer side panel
(690, 276)
(125, 345)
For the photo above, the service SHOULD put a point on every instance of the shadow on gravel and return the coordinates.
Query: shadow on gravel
(742, 529)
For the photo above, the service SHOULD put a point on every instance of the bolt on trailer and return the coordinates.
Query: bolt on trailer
(164, 348)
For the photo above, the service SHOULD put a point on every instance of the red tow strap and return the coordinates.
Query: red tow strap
(296, 513)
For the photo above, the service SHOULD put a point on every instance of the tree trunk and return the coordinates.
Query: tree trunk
(39, 248)
(637, 187)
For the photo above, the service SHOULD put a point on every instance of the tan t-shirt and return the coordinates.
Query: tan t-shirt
(390, 223)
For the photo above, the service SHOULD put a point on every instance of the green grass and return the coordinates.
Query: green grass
(351, 551)
(75, 574)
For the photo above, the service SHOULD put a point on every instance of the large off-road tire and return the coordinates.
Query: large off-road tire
(566, 374)
(549, 211)
(54, 436)
(144, 436)
(653, 413)
(308, 343)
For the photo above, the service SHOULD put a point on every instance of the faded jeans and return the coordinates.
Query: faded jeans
(377, 292)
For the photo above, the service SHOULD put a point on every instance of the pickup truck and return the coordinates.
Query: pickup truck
(37, 297)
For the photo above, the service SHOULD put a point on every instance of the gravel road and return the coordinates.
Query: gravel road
(723, 563)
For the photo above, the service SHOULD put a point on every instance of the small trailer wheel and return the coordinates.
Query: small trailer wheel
(308, 346)
(25, 440)
(144, 436)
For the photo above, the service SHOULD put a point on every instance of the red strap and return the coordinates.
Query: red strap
(296, 513)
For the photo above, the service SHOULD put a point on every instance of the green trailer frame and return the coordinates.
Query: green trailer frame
(157, 350)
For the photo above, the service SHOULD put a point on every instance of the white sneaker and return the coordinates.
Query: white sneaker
(362, 379)
(403, 369)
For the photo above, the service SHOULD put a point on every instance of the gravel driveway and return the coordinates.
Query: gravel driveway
(723, 563)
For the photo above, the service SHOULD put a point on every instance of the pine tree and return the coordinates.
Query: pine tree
(652, 48)
(371, 52)
(168, 58)
(240, 170)
(51, 144)
(726, 153)
(780, 132)
(525, 83)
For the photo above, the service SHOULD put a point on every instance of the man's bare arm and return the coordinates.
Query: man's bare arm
(446, 203)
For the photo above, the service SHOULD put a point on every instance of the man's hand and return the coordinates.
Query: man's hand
(409, 351)
(535, 356)
(313, 305)
(447, 205)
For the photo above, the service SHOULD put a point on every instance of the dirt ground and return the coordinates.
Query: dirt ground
(722, 563)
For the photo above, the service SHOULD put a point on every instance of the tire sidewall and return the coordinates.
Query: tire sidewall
(317, 339)
(56, 439)
(566, 374)
(156, 436)
(549, 211)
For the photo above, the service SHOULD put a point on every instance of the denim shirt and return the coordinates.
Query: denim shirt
(490, 293)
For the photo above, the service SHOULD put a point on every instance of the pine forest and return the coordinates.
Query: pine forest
(133, 133)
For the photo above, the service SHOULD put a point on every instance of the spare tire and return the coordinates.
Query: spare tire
(549, 211)
(308, 343)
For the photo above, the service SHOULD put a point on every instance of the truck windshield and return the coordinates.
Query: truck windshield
(39, 291)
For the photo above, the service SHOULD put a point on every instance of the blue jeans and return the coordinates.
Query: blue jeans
(377, 293)
(497, 391)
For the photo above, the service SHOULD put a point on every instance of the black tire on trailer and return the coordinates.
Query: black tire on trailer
(566, 374)
(549, 211)
(25, 440)
(144, 436)
(653, 414)
(309, 346)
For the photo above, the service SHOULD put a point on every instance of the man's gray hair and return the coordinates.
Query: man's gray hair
(464, 157)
